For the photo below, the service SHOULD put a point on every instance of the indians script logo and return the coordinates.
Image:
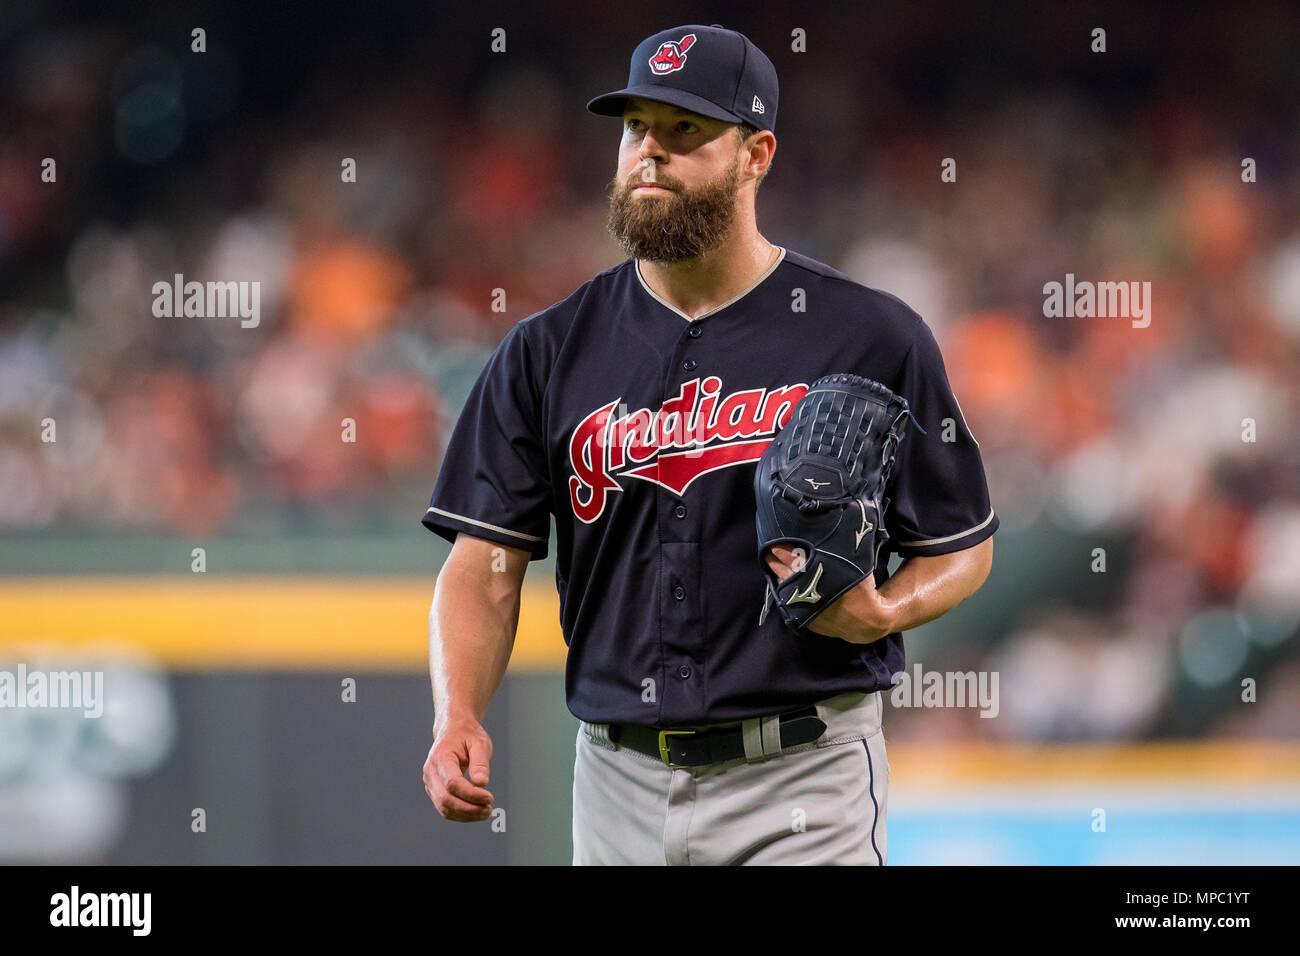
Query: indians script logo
(693, 433)
(671, 56)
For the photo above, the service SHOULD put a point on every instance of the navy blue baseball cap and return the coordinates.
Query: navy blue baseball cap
(712, 71)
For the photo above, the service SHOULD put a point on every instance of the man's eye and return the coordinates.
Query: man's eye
(685, 126)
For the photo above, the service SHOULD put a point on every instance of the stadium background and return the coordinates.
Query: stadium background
(477, 171)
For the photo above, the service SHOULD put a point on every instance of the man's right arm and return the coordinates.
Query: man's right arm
(472, 624)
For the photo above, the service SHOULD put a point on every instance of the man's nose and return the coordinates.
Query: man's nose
(651, 148)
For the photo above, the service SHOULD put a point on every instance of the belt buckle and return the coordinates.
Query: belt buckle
(663, 745)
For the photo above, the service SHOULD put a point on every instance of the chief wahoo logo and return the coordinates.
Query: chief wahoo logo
(671, 56)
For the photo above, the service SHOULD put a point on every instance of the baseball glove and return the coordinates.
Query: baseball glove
(820, 488)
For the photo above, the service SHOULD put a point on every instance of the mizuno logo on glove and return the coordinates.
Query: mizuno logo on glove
(809, 594)
(867, 528)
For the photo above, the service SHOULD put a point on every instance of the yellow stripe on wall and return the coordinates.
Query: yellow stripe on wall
(952, 765)
(257, 623)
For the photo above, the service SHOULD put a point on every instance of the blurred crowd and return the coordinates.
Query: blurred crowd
(1172, 447)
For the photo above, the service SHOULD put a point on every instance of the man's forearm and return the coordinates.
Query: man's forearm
(472, 626)
(923, 589)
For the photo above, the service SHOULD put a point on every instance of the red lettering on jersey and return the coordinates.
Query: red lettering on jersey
(587, 457)
(740, 413)
(779, 407)
(604, 442)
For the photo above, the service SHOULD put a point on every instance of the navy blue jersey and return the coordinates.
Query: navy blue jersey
(638, 429)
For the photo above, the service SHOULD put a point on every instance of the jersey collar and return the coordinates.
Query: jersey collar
(636, 264)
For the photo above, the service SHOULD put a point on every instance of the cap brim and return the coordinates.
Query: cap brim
(611, 104)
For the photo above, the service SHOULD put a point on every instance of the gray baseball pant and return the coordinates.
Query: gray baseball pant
(816, 803)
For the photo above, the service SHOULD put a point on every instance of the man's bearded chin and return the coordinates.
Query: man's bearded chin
(675, 226)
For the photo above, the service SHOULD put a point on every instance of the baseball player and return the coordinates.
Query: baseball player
(634, 412)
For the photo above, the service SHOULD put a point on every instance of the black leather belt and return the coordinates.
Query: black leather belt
(698, 748)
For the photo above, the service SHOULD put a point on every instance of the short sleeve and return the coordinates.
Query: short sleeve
(494, 480)
(938, 491)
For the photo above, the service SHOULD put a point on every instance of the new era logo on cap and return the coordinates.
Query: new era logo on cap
(758, 105)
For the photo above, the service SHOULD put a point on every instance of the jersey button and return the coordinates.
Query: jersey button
(679, 592)
(684, 672)
(690, 364)
(695, 331)
(680, 511)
